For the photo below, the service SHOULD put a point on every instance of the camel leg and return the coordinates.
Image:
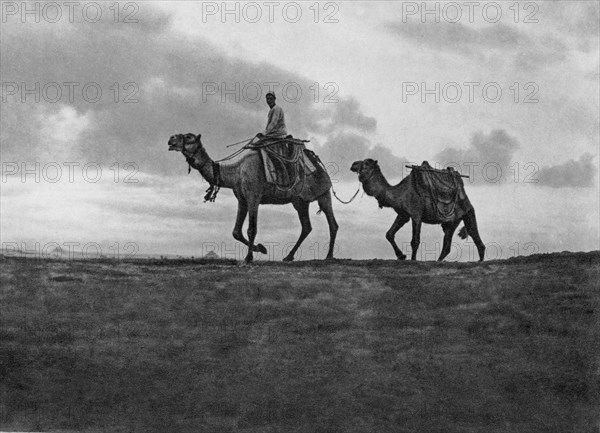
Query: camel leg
(416, 238)
(449, 229)
(302, 209)
(391, 234)
(326, 206)
(239, 223)
(252, 225)
(471, 224)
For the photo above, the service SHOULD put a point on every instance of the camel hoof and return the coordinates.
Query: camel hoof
(329, 258)
(402, 257)
(261, 249)
(288, 258)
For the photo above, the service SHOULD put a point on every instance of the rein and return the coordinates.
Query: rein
(349, 201)
(239, 142)
(333, 190)
(357, 190)
(213, 189)
(260, 146)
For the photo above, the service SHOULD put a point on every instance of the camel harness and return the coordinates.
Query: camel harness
(213, 189)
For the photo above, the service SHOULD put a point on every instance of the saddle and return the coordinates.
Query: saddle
(442, 189)
(286, 160)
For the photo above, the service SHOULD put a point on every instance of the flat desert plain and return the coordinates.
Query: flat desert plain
(341, 346)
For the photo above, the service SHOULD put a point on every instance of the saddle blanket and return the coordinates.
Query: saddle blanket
(443, 188)
(285, 161)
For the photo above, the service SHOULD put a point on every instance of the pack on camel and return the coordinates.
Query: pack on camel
(246, 177)
(427, 196)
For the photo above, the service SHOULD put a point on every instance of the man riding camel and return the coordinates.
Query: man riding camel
(275, 120)
(275, 130)
(282, 164)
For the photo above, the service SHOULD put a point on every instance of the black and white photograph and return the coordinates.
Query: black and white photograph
(300, 216)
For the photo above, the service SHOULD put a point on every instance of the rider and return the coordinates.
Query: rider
(274, 138)
(275, 120)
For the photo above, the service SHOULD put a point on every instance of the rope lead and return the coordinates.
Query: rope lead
(342, 201)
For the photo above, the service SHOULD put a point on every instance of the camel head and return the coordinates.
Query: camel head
(188, 144)
(365, 169)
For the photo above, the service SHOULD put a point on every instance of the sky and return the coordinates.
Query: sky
(507, 92)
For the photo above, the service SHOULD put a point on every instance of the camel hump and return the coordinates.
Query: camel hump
(294, 170)
(442, 189)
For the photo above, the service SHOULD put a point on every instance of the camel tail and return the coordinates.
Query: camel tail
(463, 233)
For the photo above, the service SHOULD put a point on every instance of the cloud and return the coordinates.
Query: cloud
(445, 36)
(495, 148)
(60, 132)
(347, 113)
(547, 51)
(169, 76)
(342, 149)
(526, 52)
(588, 23)
(578, 117)
(175, 85)
(575, 18)
(578, 174)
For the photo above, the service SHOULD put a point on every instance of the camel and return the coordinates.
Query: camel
(410, 205)
(247, 179)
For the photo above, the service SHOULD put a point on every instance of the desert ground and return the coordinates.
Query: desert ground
(343, 346)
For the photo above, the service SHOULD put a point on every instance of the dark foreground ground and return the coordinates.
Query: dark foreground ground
(347, 346)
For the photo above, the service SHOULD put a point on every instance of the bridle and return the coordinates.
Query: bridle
(213, 189)
(366, 179)
(362, 180)
(193, 155)
(197, 140)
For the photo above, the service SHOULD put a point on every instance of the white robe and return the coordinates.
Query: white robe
(276, 123)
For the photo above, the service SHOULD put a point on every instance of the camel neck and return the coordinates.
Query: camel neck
(208, 168)
(376, 186)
